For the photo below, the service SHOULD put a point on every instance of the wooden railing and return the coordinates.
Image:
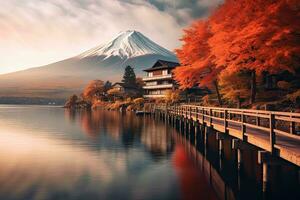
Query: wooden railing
(244, 120)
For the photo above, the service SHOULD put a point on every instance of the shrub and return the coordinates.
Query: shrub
(138, 101)
(130, 107)
(172, 96)
(294, 97)
(284, 85)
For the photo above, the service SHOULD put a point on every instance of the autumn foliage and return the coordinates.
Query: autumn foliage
(94, 90)
(196, 60)
(234, 87)
(246, 35)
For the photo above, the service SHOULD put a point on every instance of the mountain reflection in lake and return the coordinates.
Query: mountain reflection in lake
(51, 153)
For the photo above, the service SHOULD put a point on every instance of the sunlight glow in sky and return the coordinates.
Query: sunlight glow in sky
(39, 32)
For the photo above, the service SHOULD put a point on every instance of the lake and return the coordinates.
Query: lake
(49, 153)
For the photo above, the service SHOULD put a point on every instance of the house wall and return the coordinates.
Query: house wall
(158, 73)
(161, 91)
(118, 87)
(159, 82)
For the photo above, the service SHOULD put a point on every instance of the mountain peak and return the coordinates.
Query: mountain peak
(127, 44)
(129, 32)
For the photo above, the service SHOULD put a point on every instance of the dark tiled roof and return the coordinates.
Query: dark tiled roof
(123, 85)
(162, 64)
(118, 83)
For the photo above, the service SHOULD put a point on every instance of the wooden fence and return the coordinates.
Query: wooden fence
(244, 121)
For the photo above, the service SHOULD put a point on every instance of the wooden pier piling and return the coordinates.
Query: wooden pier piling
(255, 130)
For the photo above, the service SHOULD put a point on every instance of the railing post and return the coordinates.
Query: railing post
(203, 117)
(210, 116)
(292, 126)
(272, 132)
(180, 110)
(225, 121)
(257, 120)
(186, 111)
(190, 112)
(243, 120)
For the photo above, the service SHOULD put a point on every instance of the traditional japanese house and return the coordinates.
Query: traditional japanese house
(159, 79)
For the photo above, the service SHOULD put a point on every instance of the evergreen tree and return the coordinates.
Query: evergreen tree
(129, 78)
(107, 86)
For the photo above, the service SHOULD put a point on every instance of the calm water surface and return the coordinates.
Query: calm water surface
(52, 153)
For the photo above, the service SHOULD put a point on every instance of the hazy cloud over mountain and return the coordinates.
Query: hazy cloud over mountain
(186, 10)
(37, 32)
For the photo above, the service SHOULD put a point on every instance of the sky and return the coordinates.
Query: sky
(38, 32)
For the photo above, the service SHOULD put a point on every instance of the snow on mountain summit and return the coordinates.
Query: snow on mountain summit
(127, 45)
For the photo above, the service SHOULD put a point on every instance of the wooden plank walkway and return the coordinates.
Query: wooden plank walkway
(274, 132)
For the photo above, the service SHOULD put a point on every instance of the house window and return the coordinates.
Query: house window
(150, 74)
(157, 73)
(164, 82)
(151, 83)
(155, 92)
(165, 72)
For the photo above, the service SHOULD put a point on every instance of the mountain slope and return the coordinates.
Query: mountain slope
(105, 62)
(127, 45)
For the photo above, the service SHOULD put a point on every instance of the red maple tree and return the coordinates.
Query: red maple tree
(260, 35)
(254, 35)
(197, 66)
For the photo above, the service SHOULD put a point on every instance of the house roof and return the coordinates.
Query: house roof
(162, 64)
(118, 83)
(123, 85)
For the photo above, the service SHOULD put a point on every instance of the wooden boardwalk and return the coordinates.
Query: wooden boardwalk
(274, 132)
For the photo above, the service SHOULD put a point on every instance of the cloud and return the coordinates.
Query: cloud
(186, 10)
(37, 32)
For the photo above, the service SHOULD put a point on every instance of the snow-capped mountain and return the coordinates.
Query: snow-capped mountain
(126, 45)
(105, 62)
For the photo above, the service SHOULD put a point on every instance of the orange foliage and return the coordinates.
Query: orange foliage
(259, 35)
(93, 90)
(234, 86)
(196, 60)
(256, 35)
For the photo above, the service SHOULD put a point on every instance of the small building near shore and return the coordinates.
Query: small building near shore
(126, 90)
(159, 79)
(119, 86)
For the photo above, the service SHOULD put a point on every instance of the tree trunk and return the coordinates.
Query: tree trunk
(253, 87)
(239, 102)
(218, 93)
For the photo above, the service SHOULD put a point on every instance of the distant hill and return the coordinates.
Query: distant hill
(105, 62)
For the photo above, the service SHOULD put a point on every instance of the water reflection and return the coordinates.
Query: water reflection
(49, 153)
(32, 168)
(193, 183)
(126, 128)
(52, 153)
